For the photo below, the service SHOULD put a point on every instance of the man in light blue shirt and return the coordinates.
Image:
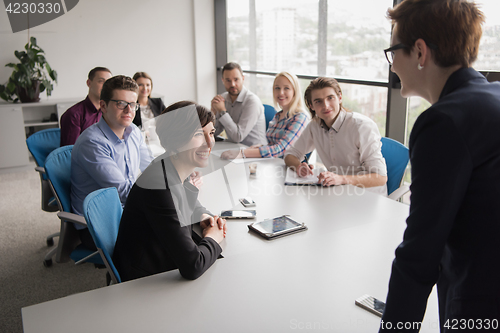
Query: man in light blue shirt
(110, 153)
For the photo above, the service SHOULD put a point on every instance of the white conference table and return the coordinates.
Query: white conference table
(302, 282)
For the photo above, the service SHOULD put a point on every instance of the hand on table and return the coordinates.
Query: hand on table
(328, 178)
(304, 169)
(231, 154)
(214, 227)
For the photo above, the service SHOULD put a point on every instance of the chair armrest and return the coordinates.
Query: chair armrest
(40, 169)
(399, 192)
(73, 218)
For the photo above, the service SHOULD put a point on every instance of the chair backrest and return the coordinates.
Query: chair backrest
(42, 143)
(58, 170)
(102, 210)
(396, 157)
(269, 112)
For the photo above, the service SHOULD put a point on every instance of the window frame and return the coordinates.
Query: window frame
(397, 106)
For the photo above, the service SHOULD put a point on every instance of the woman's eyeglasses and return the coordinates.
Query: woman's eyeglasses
(389, 53)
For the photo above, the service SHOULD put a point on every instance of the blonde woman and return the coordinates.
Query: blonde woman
(287, 124)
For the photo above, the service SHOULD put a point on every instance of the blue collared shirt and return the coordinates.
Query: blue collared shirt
(100, 159)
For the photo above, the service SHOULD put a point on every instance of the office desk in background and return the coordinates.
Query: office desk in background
(302, 282)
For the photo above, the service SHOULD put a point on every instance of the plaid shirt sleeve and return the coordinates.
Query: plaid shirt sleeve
(282, 133)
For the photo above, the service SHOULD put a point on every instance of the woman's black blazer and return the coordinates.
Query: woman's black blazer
(156, 105)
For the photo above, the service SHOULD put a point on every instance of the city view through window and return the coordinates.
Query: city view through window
(342, 39)
(284, 35)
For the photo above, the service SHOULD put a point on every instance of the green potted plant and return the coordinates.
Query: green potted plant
(31, 76)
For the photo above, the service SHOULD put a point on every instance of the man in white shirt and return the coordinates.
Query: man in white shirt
(239, 111)
(348, 143)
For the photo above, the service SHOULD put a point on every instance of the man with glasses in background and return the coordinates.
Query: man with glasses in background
(110, 153)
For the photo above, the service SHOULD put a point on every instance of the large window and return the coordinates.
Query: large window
(309, 37)
(342, 39)
(489, 49)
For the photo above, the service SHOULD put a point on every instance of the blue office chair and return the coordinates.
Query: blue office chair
(102, 210)
(396, 158)
(269, 112)
(40, 144)
(58, 170)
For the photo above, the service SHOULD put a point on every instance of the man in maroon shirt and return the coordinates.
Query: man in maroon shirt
(85, 113)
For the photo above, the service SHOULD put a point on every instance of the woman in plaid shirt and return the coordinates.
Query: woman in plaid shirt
(287, 124)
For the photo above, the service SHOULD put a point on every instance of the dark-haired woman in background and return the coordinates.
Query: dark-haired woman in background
(149, 107)
(155, 232)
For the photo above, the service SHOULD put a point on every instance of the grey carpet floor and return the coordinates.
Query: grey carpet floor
(24, 280)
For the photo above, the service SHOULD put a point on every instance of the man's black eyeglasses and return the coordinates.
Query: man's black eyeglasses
(122, 105)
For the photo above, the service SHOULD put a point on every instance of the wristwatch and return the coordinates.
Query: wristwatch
(221, 113)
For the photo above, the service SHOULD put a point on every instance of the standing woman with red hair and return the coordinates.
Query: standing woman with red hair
(453, 228)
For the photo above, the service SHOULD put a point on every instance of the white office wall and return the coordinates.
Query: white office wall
(205, 50)
(172, 40)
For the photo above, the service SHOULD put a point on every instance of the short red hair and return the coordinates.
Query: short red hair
(454, 26)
